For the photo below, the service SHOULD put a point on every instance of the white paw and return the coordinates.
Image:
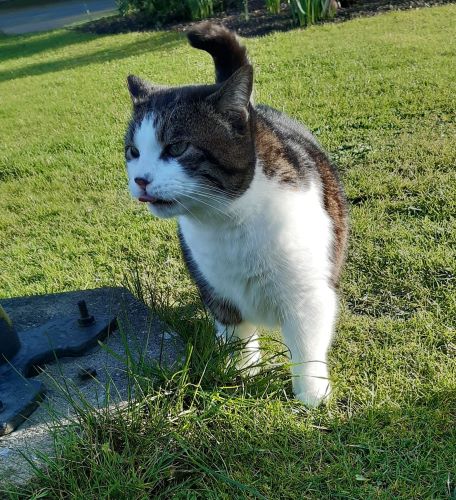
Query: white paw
(314, 393)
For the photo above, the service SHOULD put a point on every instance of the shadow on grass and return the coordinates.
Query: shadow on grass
(14, 47)
(160, 42)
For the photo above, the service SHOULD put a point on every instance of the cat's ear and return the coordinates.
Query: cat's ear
(234, 95)
(139, 89)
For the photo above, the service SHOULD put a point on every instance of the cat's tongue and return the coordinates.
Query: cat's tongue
(147, 199)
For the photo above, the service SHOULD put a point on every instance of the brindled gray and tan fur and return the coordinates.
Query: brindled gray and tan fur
(262, 215)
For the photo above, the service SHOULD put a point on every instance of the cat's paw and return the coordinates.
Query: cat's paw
(315, 394)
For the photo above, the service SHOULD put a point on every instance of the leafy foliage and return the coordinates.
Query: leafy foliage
(201, 9)
(273, 6)
(305, 12)
(155, 10)
(170, 10)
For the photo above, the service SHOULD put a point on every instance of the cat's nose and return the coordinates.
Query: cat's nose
(141, 181)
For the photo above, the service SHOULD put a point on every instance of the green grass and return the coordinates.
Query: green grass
(379, 94)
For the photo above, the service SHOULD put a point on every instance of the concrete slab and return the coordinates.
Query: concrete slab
(142, 334)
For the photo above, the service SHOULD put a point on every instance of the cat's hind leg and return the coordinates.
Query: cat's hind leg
(247, 333)
(308, 330)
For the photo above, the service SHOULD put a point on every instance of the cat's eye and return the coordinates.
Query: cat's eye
(177, 149)
(131, 153)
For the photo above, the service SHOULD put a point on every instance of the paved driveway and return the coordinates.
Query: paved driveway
(54, 15)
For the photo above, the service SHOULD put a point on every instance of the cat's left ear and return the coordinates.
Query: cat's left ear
(233, 96)
(139, 89)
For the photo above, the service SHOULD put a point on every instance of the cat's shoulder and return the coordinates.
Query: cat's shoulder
(287, 149)
(283, 124)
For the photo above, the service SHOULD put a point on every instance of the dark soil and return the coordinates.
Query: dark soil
(260, 21)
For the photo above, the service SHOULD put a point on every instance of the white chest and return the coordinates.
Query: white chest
(238, 264)
(261, 259)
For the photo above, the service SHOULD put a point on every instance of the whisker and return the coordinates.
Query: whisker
(207, 194)
(188, 210)
(225, 192)
(221, 201)
(205, 203)
(209, 205)
(213, 193)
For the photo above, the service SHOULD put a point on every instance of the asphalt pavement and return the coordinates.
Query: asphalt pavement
(53, 15)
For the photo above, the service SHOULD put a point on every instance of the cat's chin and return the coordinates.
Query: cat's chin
(165, 211)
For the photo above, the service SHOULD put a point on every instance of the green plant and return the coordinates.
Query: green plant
(305, 12)
(200, 9)
(273, 6)
(156, 11)
(168, 10)
(246, 10)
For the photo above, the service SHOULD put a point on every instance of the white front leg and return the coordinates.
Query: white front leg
(307, 331)
(247, 333)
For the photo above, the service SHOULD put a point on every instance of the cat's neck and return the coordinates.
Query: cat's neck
(244, 212)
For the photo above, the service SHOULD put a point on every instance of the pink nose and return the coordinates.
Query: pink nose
(141, 181)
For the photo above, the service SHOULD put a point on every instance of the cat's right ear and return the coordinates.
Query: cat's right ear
(233, 96)
(139, 89)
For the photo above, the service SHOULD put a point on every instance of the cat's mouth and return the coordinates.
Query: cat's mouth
(156, 201)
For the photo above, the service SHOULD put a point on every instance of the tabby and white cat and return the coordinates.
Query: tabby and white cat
(262, 215)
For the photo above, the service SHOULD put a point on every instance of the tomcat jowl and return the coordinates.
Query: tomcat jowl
(262, 215)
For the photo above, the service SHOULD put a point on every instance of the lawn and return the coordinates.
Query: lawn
(379, 94)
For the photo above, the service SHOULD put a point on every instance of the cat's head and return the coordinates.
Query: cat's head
(189, 150)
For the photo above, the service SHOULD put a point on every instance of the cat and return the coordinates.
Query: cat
(262, 217)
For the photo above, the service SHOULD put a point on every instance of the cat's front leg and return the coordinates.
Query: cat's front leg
(307, 331)
(248, 334)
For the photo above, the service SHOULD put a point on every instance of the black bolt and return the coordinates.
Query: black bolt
(85, 319)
